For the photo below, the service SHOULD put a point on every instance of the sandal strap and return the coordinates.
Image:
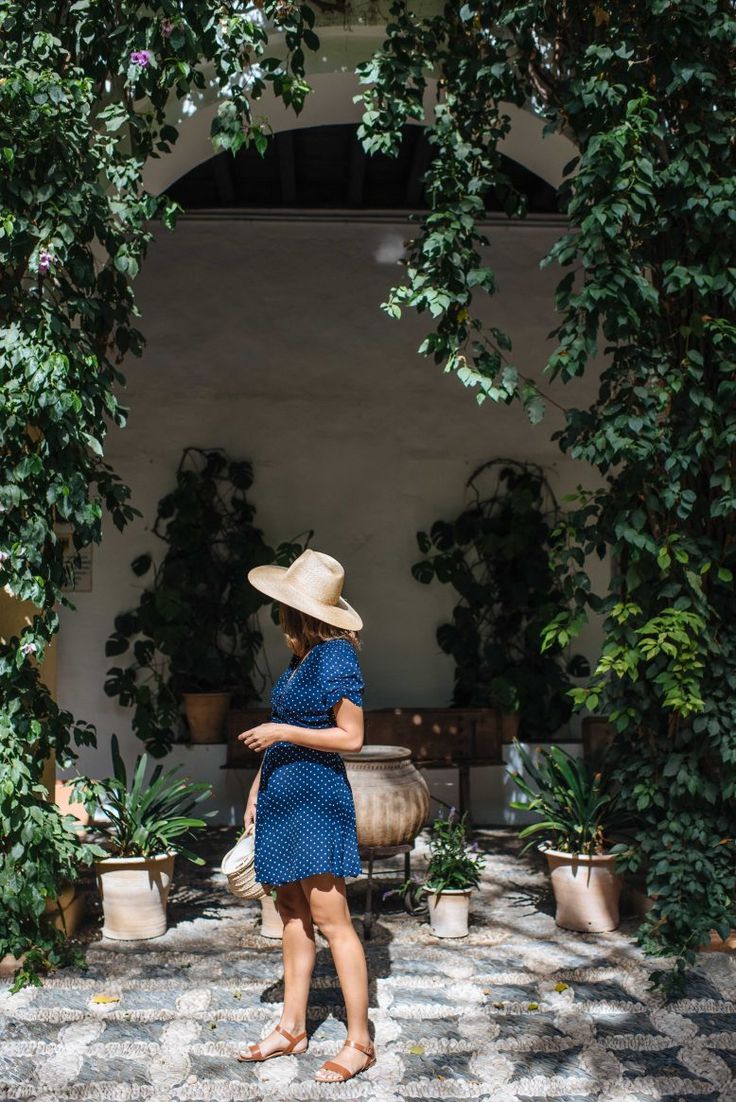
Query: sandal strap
(256, 1051)
(290, 1036)
(367, 1049)
(331, 1065)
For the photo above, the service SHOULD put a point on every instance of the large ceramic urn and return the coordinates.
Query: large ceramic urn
(391, 795)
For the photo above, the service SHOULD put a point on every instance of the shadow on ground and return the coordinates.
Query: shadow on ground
(518, 1010)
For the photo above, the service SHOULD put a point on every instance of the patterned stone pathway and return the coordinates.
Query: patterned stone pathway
(520, 1011)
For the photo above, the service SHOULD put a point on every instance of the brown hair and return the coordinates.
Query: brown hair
(303, 631)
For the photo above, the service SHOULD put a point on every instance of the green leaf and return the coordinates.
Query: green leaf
(141, 565)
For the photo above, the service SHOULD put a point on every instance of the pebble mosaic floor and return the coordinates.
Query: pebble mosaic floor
(519, 1011)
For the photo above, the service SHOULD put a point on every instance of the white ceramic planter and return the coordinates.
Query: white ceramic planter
(587, 890)
(134, 892)
(271, 924)
(448, 912)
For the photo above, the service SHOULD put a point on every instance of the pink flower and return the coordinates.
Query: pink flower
(166, 28)
(141, 58)
(28, 648)
(45, 259)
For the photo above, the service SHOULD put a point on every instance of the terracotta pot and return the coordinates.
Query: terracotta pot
(587, 890)
(134, 892)
(391, 796)
(718, 945)
(63, 800)
(448, 912)
(205, 714)
(271, 923)
(510, 722)
(10, 964)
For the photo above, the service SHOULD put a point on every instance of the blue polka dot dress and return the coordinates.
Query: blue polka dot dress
(305, 816)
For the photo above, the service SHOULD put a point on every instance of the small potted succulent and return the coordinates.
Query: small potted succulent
(453, 871)
(145, 825)
(576, 811)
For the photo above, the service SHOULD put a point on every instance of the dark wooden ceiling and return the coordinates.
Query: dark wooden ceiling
(325, 167)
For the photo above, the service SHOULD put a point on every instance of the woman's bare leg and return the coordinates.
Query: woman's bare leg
(299, 954)
(328, 905)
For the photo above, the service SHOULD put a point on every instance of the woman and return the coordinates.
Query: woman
(302, 805)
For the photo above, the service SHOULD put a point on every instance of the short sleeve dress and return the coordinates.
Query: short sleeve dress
(305, 815)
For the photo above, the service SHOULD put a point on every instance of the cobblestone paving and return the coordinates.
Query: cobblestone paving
(520, 1011)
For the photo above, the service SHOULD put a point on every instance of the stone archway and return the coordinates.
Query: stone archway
(195, 315)
(330, 103)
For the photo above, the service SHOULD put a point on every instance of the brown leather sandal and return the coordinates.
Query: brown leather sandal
(346, 1073)
(257, 1057)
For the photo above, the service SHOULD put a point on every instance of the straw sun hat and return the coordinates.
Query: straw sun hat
(313, 584)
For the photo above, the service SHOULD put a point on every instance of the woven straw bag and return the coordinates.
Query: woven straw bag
(239, 867)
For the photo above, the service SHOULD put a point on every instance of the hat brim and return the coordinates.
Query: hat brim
(271, 581)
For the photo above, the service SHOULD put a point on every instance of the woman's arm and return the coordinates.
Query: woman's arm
(347, 735)
(249, 815)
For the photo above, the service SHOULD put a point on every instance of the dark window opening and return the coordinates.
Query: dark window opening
(325, 167)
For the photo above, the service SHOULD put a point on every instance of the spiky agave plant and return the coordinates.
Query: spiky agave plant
(145, 818)
(576, 807)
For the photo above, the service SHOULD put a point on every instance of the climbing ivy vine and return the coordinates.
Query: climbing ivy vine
(85, 96)
(645, 91)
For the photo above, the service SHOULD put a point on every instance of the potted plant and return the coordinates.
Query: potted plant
(145, 825)
(453, 871)
(496, 555)
(193, 639)
(577, 811)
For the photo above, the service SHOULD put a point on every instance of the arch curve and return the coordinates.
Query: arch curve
(331, 104)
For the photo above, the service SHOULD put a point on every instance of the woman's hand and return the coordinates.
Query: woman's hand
(249, 815)
(261, 737)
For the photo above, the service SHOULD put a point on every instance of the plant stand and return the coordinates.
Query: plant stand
(377, 853)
